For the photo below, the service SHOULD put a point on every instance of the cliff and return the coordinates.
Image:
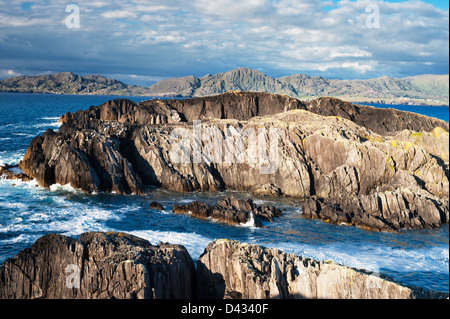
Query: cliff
(234, 269)
(121, 266)
(98, 266)
(378, 169)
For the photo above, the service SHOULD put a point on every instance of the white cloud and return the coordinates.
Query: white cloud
(357, 66)
(117, 14)
(8, 73)
(283, 36)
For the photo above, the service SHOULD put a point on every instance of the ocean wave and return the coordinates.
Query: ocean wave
(194, 243)
(22, 239)
(64, 188)
(373, 257)
(18, 183)
(9, 205)
(40, 125)
(250, 223)
(11, 158)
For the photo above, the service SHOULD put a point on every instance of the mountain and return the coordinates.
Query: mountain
(434, 88)
(70, 83)
(241, 79)
(421, 89)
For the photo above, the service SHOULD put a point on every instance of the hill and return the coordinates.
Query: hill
(421, 89)
(425, 89)
(70, 83)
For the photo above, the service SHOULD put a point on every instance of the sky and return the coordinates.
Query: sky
(144, 41)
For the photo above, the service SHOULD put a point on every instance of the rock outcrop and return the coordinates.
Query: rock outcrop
(98, 266)
(380, 169)
(156, 205)
(383, 211)
(13, 172)
(121, 266)
(229, 268)
(378, 120)
(231, 211)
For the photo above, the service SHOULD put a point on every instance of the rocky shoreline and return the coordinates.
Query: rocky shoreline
(379, 169)
(116, 265)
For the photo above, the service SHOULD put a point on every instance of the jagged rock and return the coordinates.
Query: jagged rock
(118, 147)
(156, 205)
(98, 266)
(382, 211)
(381, 121)
(121, 266)
(229, 269)
(235, 105)
(13, 172)
(86, 159)
(230, 210)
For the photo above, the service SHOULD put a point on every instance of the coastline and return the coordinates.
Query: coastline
(225, 270)
(354, 100)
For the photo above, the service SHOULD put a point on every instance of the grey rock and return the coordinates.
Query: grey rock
(156, 205)
(231, 210)
(121, 266)
(98, 266)
(230, 269)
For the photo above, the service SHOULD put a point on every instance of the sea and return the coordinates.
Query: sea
(27, 211)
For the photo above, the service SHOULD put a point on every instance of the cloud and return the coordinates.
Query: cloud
(163, 38)
(8, 73)
(118, 14)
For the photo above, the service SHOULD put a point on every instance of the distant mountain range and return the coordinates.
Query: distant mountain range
(70, 83)
(421, 89)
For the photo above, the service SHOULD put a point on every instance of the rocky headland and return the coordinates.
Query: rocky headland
(380, 169)
(117, 265)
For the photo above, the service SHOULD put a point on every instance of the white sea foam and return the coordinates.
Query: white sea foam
(18, 183)
(65, 188)
(194, 243)
(70, 221)
(54, 122)
(22, 238)
(47, 125)
(23, 134)
(373, 257)
(250, 223)
(15, 206)
(11, 158)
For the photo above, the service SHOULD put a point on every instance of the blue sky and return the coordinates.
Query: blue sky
(143, 41)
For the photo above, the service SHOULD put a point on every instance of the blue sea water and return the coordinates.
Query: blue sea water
(27, 211)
